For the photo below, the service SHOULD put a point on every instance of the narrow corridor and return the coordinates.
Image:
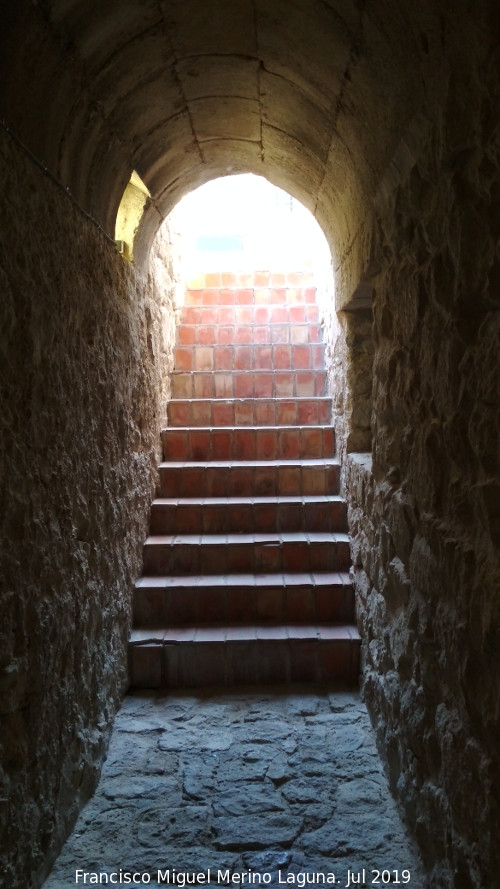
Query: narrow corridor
(382, 119)
(246, 583)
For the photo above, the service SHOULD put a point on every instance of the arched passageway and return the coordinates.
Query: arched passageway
(246, 565)
(184, 92)
(382, 118)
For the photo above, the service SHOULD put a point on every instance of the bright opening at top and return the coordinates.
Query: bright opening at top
(243, 222)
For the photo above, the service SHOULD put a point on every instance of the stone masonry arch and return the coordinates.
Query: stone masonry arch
(381, 117)
(182, 93)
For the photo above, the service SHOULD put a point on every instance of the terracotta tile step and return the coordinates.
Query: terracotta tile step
(248, 315)
(219, 515)
(233, 334)
(243, 598)
(249, 412)
(252, 278)
(248, 442)
(244, 296)
(205, 656)
(252, 553)
(249, 478)
(254, 356)
(248, 384)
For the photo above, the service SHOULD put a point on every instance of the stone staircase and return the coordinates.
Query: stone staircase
(246, 567)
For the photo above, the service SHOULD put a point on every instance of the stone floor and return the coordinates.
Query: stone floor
(266, 787)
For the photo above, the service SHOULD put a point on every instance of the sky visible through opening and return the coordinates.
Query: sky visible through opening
(242, 223)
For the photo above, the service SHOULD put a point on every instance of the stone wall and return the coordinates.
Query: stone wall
(349, 359)
(80, 357)
(425, 515)
(166, 284)
(347, 322)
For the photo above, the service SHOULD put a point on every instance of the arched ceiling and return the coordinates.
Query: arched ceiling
(312, 94)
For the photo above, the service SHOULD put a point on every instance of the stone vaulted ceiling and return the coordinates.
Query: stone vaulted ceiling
(313, 94)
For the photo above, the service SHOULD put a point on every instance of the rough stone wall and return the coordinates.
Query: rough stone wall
(348, 341)
(79, 419)
(349, 358)
(335, 361)
(425, 516)
(166, 290)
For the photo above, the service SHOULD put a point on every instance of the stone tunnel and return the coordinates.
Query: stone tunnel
(383, 118)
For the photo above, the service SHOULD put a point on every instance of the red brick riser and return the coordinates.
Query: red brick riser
(246, 570)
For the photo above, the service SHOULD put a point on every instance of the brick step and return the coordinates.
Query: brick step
(246, 553)
(235, 655)
(208, 316)
(249, 446)
(248, 442)
(248, 384)
(232, 334)
(253, 278)
(243, 598)
(210, 515)
(312, 411)
(251, 356)
(258, 478)
(245, 296)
